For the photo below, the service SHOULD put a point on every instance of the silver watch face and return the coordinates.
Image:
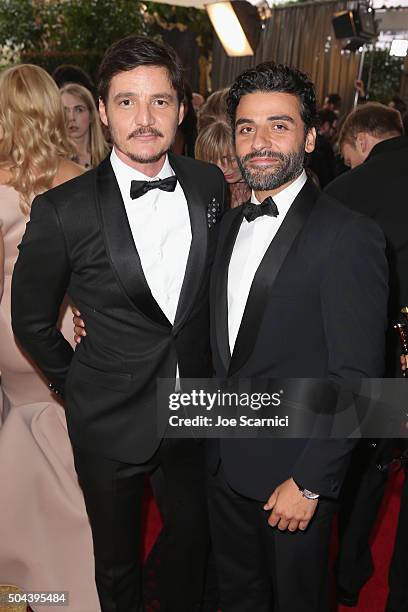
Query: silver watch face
(309, 494)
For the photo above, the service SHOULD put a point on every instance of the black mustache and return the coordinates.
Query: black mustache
(266, 153)
(144, 132)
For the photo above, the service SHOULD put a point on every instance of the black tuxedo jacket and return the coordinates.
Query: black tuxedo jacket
(79, 242)
(378, 188)
(316, 309)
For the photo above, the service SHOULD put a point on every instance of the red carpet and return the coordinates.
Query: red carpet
(152, 522)
(373, 596)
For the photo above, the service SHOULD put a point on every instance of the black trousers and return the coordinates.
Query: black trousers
(113, 494)
(398, 574)
(261, 568)
(360, 502)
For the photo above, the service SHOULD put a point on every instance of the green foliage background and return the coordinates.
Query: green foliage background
(79, 31)
(174, 16)
(386, 74)
(51, 33)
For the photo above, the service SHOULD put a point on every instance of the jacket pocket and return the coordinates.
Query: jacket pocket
(120, 381)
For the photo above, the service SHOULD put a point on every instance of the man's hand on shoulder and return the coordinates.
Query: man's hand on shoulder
(290, 509)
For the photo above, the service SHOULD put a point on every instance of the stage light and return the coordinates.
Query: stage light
(399, 47)
(237, 25)
(355, 27)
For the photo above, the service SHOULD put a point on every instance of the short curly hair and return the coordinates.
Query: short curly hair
(271, 77)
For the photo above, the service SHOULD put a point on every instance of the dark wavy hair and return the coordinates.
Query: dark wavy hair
(271, 77)
(134, 51)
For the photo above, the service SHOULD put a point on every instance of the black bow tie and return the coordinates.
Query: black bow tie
(139, 188)
(253, 211)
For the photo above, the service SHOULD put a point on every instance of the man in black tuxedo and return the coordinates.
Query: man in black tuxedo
(372, 143)
(131, 243)
(299, 290)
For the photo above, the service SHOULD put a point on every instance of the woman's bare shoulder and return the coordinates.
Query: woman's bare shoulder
(67, 170)
(4, 176)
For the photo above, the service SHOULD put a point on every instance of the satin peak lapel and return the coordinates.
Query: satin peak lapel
(197, 208)
(121, 248)
(221, 284)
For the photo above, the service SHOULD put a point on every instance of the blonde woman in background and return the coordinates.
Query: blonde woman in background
(84, 126)
(45, 539)
(213, 109)
(214, 144)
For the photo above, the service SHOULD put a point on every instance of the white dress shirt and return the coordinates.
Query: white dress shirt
(160, 225)
(252, 242)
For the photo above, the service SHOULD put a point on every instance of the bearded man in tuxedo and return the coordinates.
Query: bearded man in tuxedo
(131, 243)
(299, 290)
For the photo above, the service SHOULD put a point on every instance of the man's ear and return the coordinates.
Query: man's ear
(181, 114)
(102, 112)
(310, 140)
(362, 144)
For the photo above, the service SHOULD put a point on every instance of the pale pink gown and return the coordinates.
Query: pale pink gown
(45, 538)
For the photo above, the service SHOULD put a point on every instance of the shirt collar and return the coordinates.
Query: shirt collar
(286, 197)
(126, 173)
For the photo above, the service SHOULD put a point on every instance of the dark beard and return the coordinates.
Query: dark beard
(139, 159)
(262, 179)
(145, 160)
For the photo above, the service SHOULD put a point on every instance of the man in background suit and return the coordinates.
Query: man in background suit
(132, 245)
(372, 143)
(322, 160)
(299, 290)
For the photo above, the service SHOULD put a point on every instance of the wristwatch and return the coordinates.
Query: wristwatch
(306, 493)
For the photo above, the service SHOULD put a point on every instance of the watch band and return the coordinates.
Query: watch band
(306, 493)
(309, 494)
